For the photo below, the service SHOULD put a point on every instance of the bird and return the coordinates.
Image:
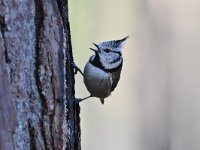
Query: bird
(103, 69)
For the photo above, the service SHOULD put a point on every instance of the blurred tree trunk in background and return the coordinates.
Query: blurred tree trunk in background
(169, 75)
(36, 78)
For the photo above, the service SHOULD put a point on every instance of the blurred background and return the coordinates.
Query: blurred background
(156, 105)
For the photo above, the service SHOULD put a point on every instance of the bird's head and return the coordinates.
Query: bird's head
(109, 51)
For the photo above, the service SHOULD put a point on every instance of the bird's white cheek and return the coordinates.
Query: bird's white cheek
(111, 65)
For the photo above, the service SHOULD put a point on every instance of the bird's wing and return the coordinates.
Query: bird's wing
(115, 78)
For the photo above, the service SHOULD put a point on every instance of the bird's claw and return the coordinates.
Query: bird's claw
(76, 68)
(78, 100)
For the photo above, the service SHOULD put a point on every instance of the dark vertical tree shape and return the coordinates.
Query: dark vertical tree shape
(37, 109)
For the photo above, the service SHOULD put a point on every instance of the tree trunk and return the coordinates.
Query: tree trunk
(36, 78)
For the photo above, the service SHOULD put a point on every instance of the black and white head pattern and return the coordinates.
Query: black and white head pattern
(109, 53)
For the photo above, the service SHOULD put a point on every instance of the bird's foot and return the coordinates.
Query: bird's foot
(76, 68)
(78, 100)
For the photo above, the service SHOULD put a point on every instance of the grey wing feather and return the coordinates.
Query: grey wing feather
(115, 78)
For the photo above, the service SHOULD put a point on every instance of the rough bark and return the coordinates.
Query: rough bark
(36, 77)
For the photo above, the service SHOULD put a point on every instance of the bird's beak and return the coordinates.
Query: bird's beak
(96, 51)
(97, 46)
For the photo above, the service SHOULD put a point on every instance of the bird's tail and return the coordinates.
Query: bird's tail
(102, 100)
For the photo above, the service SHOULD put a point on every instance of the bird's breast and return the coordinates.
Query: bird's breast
(97, 81)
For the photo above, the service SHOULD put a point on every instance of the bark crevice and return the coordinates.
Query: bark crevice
(3, 29)
(39, 24)
(32, 135)
(73, 110)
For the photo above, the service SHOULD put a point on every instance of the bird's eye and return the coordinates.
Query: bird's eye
(107, 50)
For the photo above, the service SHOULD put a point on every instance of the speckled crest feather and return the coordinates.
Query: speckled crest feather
(114, 43)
